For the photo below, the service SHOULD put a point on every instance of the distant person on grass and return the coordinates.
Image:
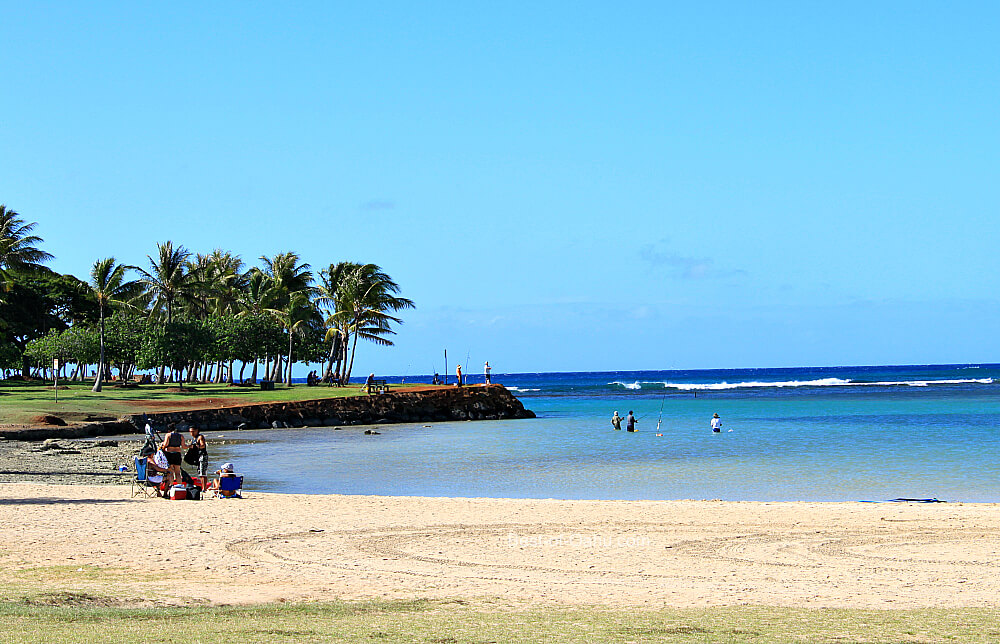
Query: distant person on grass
(487, 374)
(458, 372)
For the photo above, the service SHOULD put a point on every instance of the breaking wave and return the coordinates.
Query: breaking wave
(821, 382)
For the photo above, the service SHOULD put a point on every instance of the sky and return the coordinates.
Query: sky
(559, 186)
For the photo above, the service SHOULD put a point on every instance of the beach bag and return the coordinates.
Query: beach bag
(193, 492)
(193, 455)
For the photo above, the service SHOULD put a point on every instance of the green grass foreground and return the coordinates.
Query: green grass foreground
(21, 403)
(74, 617)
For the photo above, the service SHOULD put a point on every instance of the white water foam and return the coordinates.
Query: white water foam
(634, 385)
(821, 382)
(511, 388)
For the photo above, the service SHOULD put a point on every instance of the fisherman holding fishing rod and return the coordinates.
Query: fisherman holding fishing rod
(631, 420)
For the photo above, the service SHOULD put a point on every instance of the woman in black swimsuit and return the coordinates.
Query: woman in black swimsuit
(172, 446)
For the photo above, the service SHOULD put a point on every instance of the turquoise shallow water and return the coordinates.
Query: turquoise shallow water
(871, 433)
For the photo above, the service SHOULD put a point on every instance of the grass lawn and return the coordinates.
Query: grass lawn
(21, 402)
(77, 617)
(56, 604)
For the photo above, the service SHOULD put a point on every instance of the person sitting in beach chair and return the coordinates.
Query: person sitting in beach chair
(146, 482)
(229, 485)
(156, 463)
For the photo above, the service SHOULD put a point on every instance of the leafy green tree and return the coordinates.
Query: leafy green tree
(39, 302)
(252, 337)
(107, 280)
(126, 332)
(76, 344)
(177, 344)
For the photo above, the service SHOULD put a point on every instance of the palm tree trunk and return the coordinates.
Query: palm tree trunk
(100, 365)
(253, 374)
(342, 358)
(354, 350)
(288, 382)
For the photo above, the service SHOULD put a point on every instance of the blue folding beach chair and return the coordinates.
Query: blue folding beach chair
(230, 487)
(141, 485)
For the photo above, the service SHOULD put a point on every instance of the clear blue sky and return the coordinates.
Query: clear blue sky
(559, 186)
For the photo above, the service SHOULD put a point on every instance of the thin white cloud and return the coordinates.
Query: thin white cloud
(658, 257)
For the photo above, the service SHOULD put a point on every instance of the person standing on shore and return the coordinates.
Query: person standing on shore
(716, 424)
(172, 446)
(458, 372)
(616, 421)
(487, 373)
(630, 422)
(200, 455)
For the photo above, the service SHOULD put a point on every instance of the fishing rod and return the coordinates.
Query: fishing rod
(659, 419)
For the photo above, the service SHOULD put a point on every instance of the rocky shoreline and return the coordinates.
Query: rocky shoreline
(67, 462)
(491, 402)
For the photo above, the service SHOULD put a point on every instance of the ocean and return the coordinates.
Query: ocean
(791, 434)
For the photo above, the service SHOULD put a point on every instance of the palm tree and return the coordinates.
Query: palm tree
(167, 280)
(108, 283)
(365, 307)
(228, 281)
(254, 297)
(17, 246)
(332, 284)
(286, 276)
(299, 313)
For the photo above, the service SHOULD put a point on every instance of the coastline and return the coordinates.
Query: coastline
(409, 405)
(648, 554)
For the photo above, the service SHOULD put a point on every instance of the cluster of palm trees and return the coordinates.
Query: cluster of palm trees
(350, 301)
(342, 304)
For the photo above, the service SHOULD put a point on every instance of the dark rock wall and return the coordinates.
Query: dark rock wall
(465, 403)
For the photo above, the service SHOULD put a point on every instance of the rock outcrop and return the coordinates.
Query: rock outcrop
(478, 402)
(447, 404)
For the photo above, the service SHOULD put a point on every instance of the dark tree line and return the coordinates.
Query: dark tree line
(189, 317)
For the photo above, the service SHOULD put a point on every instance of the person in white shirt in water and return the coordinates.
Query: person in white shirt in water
(716, 424)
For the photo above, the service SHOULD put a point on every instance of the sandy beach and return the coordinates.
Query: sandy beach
(676, 553)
